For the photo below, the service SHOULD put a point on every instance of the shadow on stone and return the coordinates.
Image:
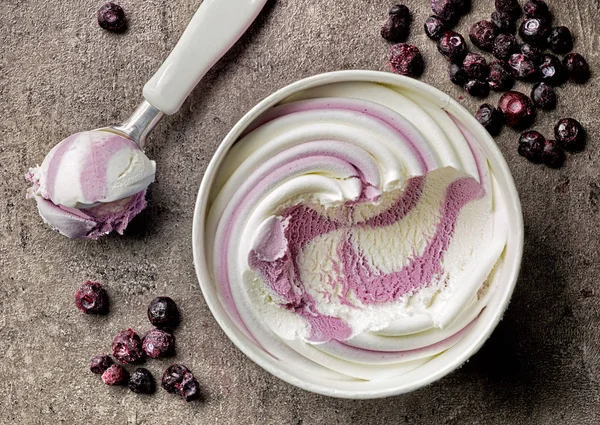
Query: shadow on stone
(525, 361)
(149, 221)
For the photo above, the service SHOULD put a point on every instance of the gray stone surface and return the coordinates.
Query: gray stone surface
(59, 74)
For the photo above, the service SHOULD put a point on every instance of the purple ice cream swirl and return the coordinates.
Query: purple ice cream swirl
(352, 228)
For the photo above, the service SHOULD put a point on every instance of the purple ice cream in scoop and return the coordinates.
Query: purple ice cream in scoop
(91, 183)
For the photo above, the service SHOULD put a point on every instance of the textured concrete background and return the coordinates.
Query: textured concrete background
(59, 74)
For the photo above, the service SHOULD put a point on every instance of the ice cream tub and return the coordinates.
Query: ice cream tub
(358, 234)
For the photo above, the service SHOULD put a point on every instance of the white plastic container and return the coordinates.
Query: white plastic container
(442, 364)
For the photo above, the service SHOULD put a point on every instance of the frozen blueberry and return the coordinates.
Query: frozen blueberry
(551, 70)
(510, 7)
(158, 343)
(163, 313)
(457, 74)
(500, 78)
(446, 10)
(577, 67)
(453, 46)
(189, 388)
(504, 46)
(491, 118)
(560, 40)
(532, 53)
(552, 155)
(91, 298)
(483, 34)
(434, 27)
(406, 59)
(522, 67)
(476, 66)
(100, 363)
(172, 377)
(477, 88)
(505, 23)
(127, 347)
(115, 375)
(570, 134)
(531, 145)
(543, 96)
(518, 109)
(534, 31)
(537, 9)
(142, 381)
(111, 17)
(177, 379)
(397, 26)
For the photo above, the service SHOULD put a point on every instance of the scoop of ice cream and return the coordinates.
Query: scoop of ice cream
(354, 231)
(91, 183)
(92, 167)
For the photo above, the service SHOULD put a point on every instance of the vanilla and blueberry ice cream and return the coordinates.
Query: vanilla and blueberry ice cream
(91, 183)
(353, 231)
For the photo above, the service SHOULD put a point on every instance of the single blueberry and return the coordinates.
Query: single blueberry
(111, 17)
(127, 347)
(483, 34)
(142, 382)
(576, 67)
(434, 27)
(406, 59)
(531, 145)
(453, 46)
(397, 26)
(100, 363)
(490, 118)
(518, 109)
(163, 313)
(569, 133)
(158, 343)
(543, 96)
(91, 298)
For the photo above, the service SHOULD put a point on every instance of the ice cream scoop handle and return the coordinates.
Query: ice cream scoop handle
(215, 27)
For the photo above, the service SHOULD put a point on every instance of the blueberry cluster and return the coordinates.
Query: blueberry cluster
(569, 136)
(527, 62)
(129, 348)
(524, 58)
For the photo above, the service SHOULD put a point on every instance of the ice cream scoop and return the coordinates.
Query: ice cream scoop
(95, 182)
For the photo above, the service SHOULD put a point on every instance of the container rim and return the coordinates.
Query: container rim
(489, 318)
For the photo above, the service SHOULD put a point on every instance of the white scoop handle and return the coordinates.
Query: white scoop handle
(215, 27)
